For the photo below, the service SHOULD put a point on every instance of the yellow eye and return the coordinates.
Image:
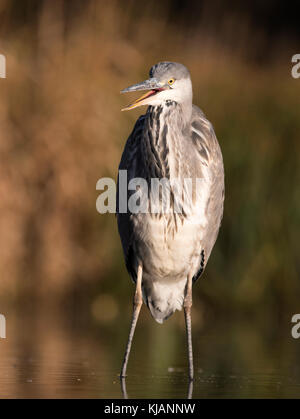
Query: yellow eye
(171, 81)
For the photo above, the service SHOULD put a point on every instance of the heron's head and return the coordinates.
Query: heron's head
(168, 81)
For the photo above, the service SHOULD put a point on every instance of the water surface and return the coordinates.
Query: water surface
(49, 356)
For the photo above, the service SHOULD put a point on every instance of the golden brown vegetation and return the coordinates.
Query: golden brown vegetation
(61, 130)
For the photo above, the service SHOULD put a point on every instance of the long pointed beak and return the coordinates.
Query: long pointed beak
(151, 84)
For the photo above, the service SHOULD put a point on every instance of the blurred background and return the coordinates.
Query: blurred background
(64, 288)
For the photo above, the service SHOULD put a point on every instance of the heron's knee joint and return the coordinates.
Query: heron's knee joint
(187, 304)
(137, 300)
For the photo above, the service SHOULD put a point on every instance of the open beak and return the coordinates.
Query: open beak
(153, 87)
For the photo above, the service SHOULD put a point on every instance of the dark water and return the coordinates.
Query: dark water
(54, 356)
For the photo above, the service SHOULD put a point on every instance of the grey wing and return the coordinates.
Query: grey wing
(209, 154)
(130, 162)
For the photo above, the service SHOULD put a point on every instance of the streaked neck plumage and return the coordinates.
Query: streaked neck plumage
(164, 128)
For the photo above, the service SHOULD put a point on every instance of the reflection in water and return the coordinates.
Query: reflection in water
(190, 389)
(125, 395)
(66, 356)
(123, 387)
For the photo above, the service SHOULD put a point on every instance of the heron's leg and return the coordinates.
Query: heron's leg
(137, 304)
(187, 304)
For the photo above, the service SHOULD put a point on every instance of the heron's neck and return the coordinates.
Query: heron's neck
(162, 143)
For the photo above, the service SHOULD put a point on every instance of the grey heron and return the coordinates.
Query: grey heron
(166, 253)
